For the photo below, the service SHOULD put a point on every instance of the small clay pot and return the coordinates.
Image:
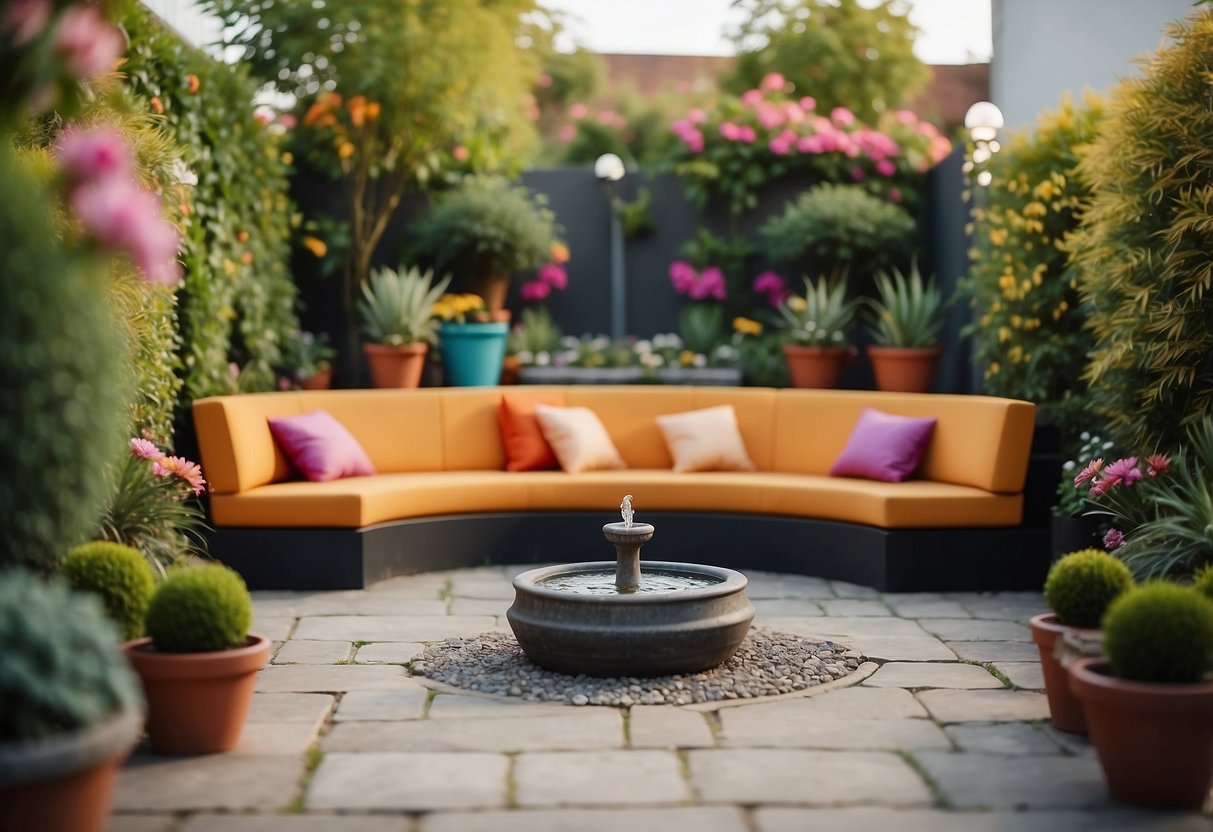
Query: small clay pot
(1065, 710)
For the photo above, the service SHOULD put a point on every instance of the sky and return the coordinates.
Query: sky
(953, 31)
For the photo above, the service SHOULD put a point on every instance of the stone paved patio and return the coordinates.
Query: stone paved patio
(947, 730)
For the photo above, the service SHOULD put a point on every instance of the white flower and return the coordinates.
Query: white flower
(700, 360)
(543, 359)
(525, 357)
(642, 347)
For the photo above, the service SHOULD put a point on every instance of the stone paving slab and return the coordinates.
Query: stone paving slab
(686, 819)
(214, 782)
(751, 776)
(290, 707)
(846, 590)
(424, 587)
(932, 675)
(994, 651)
(843, 628)
(666, 726)
(294, 823)
(140, 823)
(846, 705)
(457, 706)
(1076, 744)
(297, 651)
(391, 627)
(260, 738)
(382, 705)
(388, 652)
(854, 607)
(599, 778)
(998, 782)
(580, 729)
(951, 629)
(1026, 675)
(897, 649)
(1007, 606)
(984, 705)
(1002, 738)
(868, 735)
(875, 819)
(500, 588)
(764, 585)
(332, 678)
(925, 605)
(411, 782)
(348, 602)
(770, 608)
(274, 628)
(480, 606)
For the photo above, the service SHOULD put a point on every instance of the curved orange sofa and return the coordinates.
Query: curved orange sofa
(442, 498)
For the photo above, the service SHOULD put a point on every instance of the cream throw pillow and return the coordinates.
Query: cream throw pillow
(578, 439)
(705, 440)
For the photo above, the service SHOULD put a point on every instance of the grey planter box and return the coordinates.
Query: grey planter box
(707, 376)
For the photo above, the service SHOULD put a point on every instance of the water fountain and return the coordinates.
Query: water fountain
(608, 619)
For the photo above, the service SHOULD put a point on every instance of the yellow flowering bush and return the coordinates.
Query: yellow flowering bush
(1028, 325)
(453, 308)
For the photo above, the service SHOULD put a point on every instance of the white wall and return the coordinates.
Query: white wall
(1044, 47)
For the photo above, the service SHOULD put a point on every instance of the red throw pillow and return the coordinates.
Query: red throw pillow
(320, 447)
(525, 447)
(884, 446)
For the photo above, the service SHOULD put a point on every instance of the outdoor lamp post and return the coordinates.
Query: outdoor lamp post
(609, 169)
(983, 121)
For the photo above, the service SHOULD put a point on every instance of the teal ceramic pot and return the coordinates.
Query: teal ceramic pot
(472, 353)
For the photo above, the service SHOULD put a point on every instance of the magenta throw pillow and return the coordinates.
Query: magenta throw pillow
(884, 447)
(320, 447)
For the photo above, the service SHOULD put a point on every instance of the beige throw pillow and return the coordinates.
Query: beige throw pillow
(705, 440)
(578, 438)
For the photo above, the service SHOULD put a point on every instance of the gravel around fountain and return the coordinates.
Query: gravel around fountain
(768, 663)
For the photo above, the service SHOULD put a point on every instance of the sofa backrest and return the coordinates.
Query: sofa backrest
(980, 441)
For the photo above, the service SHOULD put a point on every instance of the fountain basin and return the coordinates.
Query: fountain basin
(646, 633)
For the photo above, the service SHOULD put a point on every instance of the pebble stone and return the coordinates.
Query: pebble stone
(768, 663)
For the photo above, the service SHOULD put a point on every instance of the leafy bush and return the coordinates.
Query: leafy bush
(200, 609)
(119, 576)
(1160, 632)
(1203, 582)
(1028, 334)
(1142, 250)
(61, 667)
(1080, 586)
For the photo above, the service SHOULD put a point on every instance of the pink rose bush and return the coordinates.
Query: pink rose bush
(708, 284)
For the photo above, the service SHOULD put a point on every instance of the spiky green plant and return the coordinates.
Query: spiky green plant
(701, 326)
(1142, 250)
(1160, 632)
(1080, 586)
(823, 317)
(119, 576)
(909, 311)
(397, 308)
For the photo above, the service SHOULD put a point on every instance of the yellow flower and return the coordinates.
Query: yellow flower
(288, 158)
(560, 253)
(315, 246)
(345, 150)
(372, 110)
(442, 310)
(747, 326)
(998, 236)
(796, 303)
(993, 369)
(1035, 209)
(686, 358)
(1004, 334)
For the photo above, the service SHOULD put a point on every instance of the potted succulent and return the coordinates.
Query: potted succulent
(1078, 589)
(484, 231)
(72, 709)
(198, 663)
(308, 359)
(904, 321)
(397, 310)
(1149, 704)
(816, 327)
(473, 347)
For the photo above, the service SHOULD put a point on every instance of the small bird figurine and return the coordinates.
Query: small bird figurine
(625, 508)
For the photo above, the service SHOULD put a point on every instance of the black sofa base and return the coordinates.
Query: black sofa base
(889, 560)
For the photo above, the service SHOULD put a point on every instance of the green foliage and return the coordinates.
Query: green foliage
(1029, 335)
(636, 215)
(842, 52)
(397, 308)
(909, 311)
(200, 609)
(61, 416)
(119, 576)
(1202, 582)
(486, 226)
(61, 668)
(535, 335)
(1071, 499)
(822, 317)
(840, 229)
(701, 326)
(1160, 632)
(1080, 586)
(238, 299)
(1142, 250)
(305, 354)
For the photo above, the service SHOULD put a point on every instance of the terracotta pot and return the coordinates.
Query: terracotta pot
(65, 781)
(396, 366)
(1154, 739)
(494, 288)
(320, 380)
(197, 702)
(903, 370)
(816, 367)
(510, 369)
(1065, 711)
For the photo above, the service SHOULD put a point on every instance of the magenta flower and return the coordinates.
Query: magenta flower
(1157, 464)
(534, 290)
(1114, 539)
(121, 215)
(1122, 472)
(746, 134)
(87, 42)
(710, 285)
(683, 276)
(1088, 473)
(730, 131)
(189, 472)
(780, 146)
(89, 155)
(25, 19)
(842, 116)
(885, 168)
(554, 276)
(145, 449)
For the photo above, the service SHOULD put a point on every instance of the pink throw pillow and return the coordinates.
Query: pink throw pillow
(884, 447)
(320, 447)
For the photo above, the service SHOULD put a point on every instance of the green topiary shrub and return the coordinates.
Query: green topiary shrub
(1082, 584)
(1160, 632)
(1203, 582)
(61, 667)
(120, 575)
(200, 609)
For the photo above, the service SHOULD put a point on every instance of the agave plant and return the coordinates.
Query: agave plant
(397, 308)
(909, 312)
(822, 317)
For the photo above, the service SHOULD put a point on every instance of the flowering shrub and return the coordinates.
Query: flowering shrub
(551, 276)
(459, 309)
(732, 151)
(664, 350)
(697, 285)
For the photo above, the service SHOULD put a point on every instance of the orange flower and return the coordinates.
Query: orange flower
(314, 112)
(242, 236)
(192, 83)
(461, 153)
(560, 253)
(372, 110)
(315, 246)
(157, 104)
(345, 150)
(247, 258)
(357, 108)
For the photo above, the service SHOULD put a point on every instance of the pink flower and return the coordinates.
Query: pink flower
(554, 276)
(746, 134)
(710, 285)
(534, 290)
(907, 117)
(1121, 472)
(885, 168)
(145, 449)
(769, 281)
(808, 103)
(89, 155)
(233, 370)
(25, 19)
(772, 82)
(578, 110)
(1088, 473)
(121, 215)
(88, 43)
(779, 146)
(694, 141)
(842, 116)
(544, 81)
(288, 121)
(683, 276)
(697, 116)
(730, 131)
(770, 117)
(181, 467)
(1114, 539)
(567, 133)
(750, 98)
(1157, 464)
(895, 195)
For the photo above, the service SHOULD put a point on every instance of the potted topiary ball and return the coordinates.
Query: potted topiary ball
(70, 709)
(119, 575)
(199, 662)
(1149, 704)
(1078, 589)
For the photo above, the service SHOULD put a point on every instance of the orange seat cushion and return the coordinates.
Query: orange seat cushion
(525, 447)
